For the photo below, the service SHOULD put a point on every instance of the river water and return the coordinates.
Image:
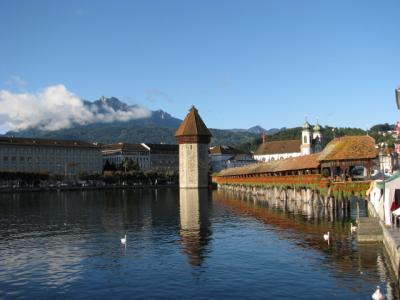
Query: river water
(184, 244)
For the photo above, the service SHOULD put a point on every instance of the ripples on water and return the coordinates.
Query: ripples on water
(181, 244)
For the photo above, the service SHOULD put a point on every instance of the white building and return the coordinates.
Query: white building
(223, 157)
(149, 157)
(60, 157)
(388, 160)
(116, 153)
(163, 157)
(311, 142)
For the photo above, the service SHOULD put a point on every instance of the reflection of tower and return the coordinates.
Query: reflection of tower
(195, 230)
(193, 138)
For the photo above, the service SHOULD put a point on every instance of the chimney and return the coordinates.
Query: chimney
(263, 137)
(398, 97)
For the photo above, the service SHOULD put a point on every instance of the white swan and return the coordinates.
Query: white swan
(326, 236)
(353, 228)
(123, 240)
(378, 295)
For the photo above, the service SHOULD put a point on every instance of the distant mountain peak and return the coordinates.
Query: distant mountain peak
(112, 102)
(256, 129)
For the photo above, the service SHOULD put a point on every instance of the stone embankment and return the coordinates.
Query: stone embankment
(391, 241)
(369, 230)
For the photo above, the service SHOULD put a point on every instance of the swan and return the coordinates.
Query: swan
(123, 240)
(326, 236)
(378, 295)
(353, 228)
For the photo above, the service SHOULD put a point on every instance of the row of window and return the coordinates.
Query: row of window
(47, 151)
(23, 159)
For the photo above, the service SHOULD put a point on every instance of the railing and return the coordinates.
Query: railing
(312, 181)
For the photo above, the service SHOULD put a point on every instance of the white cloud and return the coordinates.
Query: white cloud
(55, 108)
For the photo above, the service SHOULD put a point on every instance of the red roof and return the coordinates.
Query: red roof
(278, 147)
(306, 162)
(193, 125)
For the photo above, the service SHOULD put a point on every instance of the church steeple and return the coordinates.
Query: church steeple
(306, 138)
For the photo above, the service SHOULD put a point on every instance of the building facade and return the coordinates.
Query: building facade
(56, 157)
(223, 157)
(116, 153)
(388, 160)
(311, 142)
(164, 158)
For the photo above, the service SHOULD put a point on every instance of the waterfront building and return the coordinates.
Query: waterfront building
(116, 153)
(160, 158)
(222, 157)
(164, 158)
(388, 160)
(311, 142)
(240, 160)
(193, 138)
(60, 157)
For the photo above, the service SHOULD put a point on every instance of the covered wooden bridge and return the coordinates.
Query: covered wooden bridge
(335, 163)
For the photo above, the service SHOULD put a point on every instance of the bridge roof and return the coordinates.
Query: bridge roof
(349, 148)
(306, 162)
(278, 147)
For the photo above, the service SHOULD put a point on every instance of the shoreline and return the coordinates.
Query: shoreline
(84, 188)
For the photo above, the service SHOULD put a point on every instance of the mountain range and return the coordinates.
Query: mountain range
(158, 127)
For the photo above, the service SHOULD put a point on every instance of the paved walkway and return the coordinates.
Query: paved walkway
(369, 230)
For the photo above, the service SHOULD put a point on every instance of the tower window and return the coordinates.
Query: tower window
(305, 139)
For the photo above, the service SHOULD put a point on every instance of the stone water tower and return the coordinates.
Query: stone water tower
(193, 138)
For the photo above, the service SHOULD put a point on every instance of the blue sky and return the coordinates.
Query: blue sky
(242, 63)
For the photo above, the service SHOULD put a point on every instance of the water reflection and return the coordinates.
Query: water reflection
(195, 224)
(305, 223)
(219, 246)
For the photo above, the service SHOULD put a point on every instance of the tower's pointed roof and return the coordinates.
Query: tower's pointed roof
(193, 126)
(193, 129)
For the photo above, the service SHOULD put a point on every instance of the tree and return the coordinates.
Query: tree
(129, 165)
(109, 166)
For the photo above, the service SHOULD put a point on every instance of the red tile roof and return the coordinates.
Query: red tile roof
(193, 125)
(278, 147)
(306, 162)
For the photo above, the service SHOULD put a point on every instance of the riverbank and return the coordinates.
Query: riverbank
(391, 242)
(84, 188)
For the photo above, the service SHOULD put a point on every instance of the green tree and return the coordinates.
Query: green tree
(129, 165)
